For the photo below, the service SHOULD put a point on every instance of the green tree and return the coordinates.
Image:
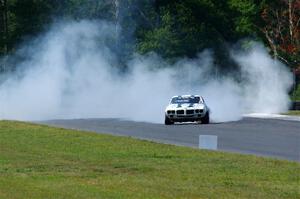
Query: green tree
(244, 14)
(184, 28)
(3, 27)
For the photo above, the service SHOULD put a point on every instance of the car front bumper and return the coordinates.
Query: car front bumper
(185, 117)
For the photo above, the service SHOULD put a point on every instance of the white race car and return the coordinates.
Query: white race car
(187, 108)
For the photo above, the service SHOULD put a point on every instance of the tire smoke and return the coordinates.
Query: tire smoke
(70, 72)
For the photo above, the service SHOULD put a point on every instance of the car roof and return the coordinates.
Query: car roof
(186, 96)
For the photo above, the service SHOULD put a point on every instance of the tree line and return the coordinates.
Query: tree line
(172, 28)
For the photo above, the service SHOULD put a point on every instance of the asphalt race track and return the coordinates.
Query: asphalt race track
(265, 137)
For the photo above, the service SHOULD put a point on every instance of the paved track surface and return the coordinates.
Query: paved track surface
(264, 137)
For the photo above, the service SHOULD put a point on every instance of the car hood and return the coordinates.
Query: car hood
(185, 106)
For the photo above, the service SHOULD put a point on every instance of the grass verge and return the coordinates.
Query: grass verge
(42, 162)
(292, 113)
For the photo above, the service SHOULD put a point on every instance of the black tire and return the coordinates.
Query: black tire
(205, 119)
(168, 121)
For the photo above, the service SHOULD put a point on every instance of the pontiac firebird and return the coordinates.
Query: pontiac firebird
(187, 108)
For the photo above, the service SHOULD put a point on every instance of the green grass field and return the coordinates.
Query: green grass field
(42, 162)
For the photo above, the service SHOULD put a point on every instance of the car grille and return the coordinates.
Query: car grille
(180, 112)
(199, 110)
(189, 111)
(171, 112)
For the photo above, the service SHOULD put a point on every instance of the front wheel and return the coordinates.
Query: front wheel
(205, 119)
(168, 121)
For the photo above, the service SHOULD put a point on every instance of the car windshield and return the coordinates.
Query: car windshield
(185, 100)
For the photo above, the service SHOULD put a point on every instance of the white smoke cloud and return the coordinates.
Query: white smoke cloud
(267, 81)
(71, 73)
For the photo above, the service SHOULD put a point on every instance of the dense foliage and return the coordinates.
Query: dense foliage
(172, 28)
